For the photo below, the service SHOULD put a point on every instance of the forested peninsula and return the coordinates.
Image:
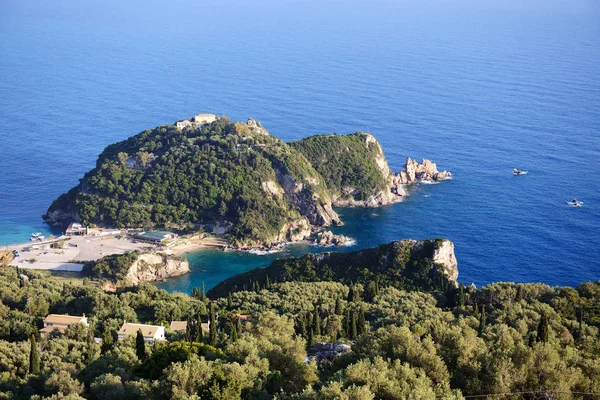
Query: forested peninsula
(381, 323)
(258, 189)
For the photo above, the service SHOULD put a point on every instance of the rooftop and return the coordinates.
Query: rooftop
(178, 325)
(131, 329)
(63, 319)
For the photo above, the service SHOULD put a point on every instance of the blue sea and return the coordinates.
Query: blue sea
(478, 87)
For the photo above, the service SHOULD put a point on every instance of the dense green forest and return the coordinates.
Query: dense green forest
(405, 264)
(166, 177)
(527, 339)
(230, 174)
(346, 162)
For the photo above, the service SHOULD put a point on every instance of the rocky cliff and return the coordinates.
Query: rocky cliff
(155, 267)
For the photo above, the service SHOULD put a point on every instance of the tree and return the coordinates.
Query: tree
(229, 301)
(361, 323)
(203, 292)
(213, 326)
(107, 341)
(543, 329)
(140, 346)
(370, 292)
(482, 319)
(339, 308)
(317, 320)
(34, 356)
(351, 294)
(353, 326)
(461, 296)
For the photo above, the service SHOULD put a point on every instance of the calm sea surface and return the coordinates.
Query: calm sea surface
(478, 89)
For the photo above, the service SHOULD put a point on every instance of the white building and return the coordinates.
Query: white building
(185, 124)
(201, 119)
(61, 322)
(151, 332)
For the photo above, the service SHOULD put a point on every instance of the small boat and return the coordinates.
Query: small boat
(575, 203)
(35, 236)
(519, 172)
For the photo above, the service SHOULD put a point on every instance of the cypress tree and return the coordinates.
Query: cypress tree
(203, 292)
(239, 327)
(543, 329)
(347, 324)
(339, 308)
(198, 329)
(140, 346)
(311, 337)
(361, 324)
(370, 292)
(213, 326)
(229, 301)
(34, 356)
(317, 320)
(195, 293)
(482, 320)
(351, 294)
(189, 330)
(353, 327)
(476, 311)
(107, 342)
(461, 296)
(267, 282)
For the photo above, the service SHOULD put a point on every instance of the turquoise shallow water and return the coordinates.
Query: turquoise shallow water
(480, 89)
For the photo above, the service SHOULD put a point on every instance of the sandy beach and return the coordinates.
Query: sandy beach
(80, 249)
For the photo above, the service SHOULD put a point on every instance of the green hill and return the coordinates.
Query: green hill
(407, 264)
(233, 174)
(236, 175)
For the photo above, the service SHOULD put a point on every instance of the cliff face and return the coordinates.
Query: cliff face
(155, 267)
(428, 265)
(356, 170)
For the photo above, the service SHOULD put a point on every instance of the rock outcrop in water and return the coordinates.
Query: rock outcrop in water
(327, 238)
(414, 172)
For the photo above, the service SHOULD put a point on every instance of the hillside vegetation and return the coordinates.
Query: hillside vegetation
(349, 164)
(530, 339)
(236, 175)
(228, 173)
(405, 264)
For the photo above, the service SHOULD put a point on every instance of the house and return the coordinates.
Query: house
(202, 119)
(61, 322)
(185, 124)
(76, 229)
(179, 326)
(151, 332)
(155, 237)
